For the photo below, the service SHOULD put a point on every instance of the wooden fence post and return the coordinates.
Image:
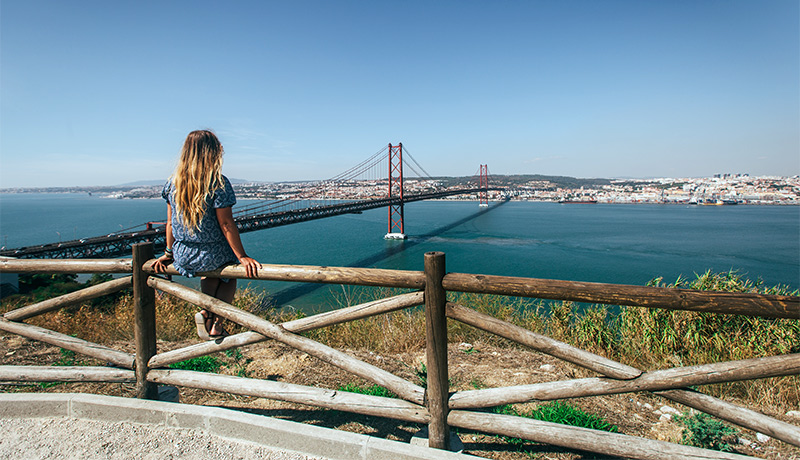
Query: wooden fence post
(144, 305)
(436, 339)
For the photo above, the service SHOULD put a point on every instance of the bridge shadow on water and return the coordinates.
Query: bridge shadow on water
(283, 297)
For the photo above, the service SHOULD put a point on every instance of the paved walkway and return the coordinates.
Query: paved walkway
(93, 427)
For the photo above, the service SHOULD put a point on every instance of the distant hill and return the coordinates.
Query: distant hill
(518, 179)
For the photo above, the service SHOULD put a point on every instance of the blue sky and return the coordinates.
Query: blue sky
(103, 93)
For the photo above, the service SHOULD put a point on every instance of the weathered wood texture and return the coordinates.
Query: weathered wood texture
(319, 274)
(364, 310)
(92, 292)
(582, 438)
(542, 343)
(436, 351)
(11, 265)
(280, 391)
(396, 385)
(144, 306)
(732, 413)
(667, 379)
(297, 326)
(771, 306)
(716, 407)
(68, 342)
(65, 374)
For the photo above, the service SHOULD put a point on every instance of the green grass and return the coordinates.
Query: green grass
(562, 413)
(67, 358)
(555, 412)
(371, 390)
(200, 364)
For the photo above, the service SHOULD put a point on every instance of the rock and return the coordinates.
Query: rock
(666, 431)
(168, 393)
(762, 438)
(795, 414)
(547, 367)
(665, 418)
(647, 406)
(669, 410)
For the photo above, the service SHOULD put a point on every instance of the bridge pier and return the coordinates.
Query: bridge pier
(396, 224)
(483, 195)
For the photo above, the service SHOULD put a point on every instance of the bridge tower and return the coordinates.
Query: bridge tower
(396, 226)
(483, 195)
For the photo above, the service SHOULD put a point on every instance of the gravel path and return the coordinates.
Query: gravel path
(69, 438)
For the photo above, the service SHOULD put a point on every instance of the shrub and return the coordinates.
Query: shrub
(703, 430)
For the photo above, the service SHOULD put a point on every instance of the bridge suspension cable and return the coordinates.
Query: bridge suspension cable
(372, 168)
(426, 175)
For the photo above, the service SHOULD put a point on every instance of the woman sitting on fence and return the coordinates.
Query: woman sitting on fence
(201, 233)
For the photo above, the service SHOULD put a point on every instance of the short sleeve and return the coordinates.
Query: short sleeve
(224, 196)
(166, 191)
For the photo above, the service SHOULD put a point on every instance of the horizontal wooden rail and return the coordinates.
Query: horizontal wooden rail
(396, 385)
(67, 342)
(737, 303)
(11, 265)
(65, 374)
(318, 274)
(771, 306)
(280, 391)
(667, 379)
(582, 438)
(297, 326)
(92, 292)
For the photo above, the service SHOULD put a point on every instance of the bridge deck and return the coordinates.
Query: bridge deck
(119, 244)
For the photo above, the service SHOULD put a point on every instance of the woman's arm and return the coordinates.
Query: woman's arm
(161, 263)
(228, 227)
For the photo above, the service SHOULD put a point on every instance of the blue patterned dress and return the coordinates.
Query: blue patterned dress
(206, 249)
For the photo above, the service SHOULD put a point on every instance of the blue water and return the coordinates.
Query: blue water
(626, 244)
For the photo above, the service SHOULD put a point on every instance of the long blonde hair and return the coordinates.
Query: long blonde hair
(197, 176)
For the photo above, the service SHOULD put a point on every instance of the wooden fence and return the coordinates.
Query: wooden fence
(434, 405)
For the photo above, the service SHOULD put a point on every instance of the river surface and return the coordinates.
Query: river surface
(608, 243)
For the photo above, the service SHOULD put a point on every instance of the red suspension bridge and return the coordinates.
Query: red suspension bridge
(360, 188)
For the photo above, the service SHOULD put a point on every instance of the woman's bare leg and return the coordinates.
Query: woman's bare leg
(222, 291)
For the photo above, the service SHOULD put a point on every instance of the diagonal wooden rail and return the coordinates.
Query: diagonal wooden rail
(434, 405)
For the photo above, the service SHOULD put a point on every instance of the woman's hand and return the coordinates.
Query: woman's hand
(250, 265)
(161, 263)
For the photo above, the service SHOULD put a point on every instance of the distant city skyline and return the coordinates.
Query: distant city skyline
(101, 94)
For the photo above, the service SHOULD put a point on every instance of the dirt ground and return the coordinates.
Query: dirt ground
(471, 366)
